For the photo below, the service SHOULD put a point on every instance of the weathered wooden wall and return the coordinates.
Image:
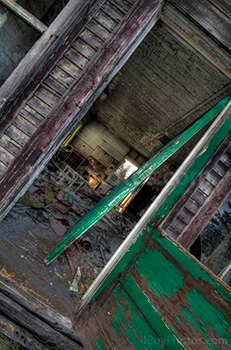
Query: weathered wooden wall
(164, 86)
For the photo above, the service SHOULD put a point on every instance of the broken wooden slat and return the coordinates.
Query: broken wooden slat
(134, 180)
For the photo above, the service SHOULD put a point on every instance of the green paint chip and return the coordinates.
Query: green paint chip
(99, 344)
(205, 316)
(162, 276)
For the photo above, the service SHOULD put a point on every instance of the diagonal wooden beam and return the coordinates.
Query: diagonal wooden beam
(25, 15)
(135, 179)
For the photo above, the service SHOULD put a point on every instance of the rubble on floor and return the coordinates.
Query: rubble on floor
(53, 207)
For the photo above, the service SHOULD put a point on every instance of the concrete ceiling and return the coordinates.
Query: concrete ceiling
(164, 87)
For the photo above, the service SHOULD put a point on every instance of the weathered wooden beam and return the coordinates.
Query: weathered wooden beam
(215, 22)
(207, 211)
(133, 181)
(47, 335)
(25, 15)
(43, 56)
(186, 29)
(71, 108)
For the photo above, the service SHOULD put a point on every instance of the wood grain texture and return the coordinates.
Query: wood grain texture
(36, 65)
(205, 214)
(25, 15)
(188, 31)
(103, 67)
(209, 17)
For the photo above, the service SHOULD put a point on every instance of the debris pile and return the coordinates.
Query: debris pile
(60, 209)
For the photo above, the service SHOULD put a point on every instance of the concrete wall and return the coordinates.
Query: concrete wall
(98, 141)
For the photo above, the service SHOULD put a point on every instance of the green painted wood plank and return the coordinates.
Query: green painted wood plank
(151, 315)
(132, 182)
(125, 325)
(191, 174)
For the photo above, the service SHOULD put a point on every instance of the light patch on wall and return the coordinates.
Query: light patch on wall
(126, 169)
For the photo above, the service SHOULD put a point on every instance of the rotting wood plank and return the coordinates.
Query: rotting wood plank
(92, 40)
(47, 96)
(98, 30)
(206, 14)
(17, 135)
(74, 56)
(42, 330)
(112, 11)
(39, 106)
(61, 76)
(69, 67)
(105, 21)
(201, 41)
(24, 125)
(85, 50)
(31, 117)
(20, 335)
(55, 85)
(106, 63)
(12, 147)
(124, 5)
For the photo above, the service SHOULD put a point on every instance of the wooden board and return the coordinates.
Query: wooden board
(209, 17)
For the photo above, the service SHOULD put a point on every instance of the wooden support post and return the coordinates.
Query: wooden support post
(25, 15)
(131, 183)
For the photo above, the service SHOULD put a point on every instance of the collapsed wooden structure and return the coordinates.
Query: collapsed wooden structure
(153, 287)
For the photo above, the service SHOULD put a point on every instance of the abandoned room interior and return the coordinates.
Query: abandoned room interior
(115, 169)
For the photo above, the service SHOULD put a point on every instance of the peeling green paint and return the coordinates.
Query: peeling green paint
(131, 326)
(168, 204)
(151, 314)
(99, 344)
(157, 270)
(194, 315)
(205, 316)
(194, 269)
(119, 193)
